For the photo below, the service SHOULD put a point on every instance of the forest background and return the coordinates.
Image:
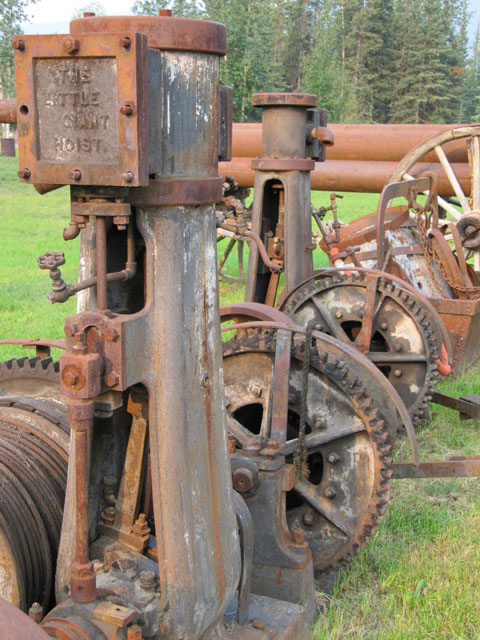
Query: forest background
(378, 61)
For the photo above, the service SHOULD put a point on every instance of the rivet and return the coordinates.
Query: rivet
(125, 42)
(128, 176)
(255, 389)
(126, 109)
(338, 314)
(397, 373)
(383, 326)
(333, 458)
(330, 493)
(19, 45)
(24, 173)
(75, 174)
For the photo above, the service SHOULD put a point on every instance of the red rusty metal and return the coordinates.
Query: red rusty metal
(16, 625)
(359, 142)
(350, 175)
(286, 99)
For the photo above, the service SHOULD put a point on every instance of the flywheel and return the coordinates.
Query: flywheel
(340, 505)
(390, 325)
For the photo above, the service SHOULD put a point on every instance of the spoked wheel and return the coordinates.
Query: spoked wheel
(461, 225)
(388, 324)
(349, 443)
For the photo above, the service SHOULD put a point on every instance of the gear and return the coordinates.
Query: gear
(404, 341)
(30, 377)
(349, 447)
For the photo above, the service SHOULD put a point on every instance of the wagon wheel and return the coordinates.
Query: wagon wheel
(466, 217)
(349, 439)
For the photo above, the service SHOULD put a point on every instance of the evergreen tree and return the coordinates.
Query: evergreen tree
(12, 14)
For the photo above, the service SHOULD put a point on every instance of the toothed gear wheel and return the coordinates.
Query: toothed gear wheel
(30, 377)
(405, 341)
(341, 504)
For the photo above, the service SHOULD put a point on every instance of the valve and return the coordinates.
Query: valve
(51, 261)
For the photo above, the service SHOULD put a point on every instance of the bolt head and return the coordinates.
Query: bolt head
(333, 458)
(128, 176)
(75, 174)
(383, 326)
(127, 109)
(330, 493)
(308, 518)
(70, 44)
(338, 314)
(112, 379)
(125, 42)
(242, 480)
(24, 173)
(70, 378)
(255, 389)
(111, 334)
(19, 45)
(320, 424)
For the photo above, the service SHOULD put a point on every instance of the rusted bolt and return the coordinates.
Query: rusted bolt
(255, 389)
(36, 612)
(242, 480)
(134, 632)
(308, 518)
(148, 580)
(88, 14)
(70, 378)
(333, 458)
(273, 445)
(320, 424)
(75, 174)
(111, 334)
(338, 314)
(166, 13)
(298, 535)
(127, 109)
(108, 515)
(330, 493)
(125, 42)
(128, 176)
(253, 444)
(112, 379)
(19, 45)
(140, 526)
(397, 373)
(70, 44)
(24, 173)
(383, 326)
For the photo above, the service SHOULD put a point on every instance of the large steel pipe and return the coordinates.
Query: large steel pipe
(366, 142)
(351, 175)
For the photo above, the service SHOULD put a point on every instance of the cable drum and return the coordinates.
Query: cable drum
(34, 443)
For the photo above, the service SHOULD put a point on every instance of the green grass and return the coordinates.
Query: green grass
(419, 578)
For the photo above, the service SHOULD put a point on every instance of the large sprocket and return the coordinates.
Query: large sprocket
(349, 446)
(30, 377)
(404, 342)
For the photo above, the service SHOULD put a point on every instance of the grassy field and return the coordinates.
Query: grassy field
(419, 578)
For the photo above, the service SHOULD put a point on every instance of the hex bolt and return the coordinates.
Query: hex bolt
(308, 518)
(112, 379)
(70, 44)
(24, 173)
(242, 480)
(36, 612)
(75, 174)
(140, 526)
(148, 580)
(128, 176)
(166, 13)
(127, 109)
(273, 445)
(19, 45)
(125, 42)
(383, 326)
(338, 314)
(70, 378)
(111, 334)
(330, 493)
(397, 373)
(320, 424)
(255, 389)
(333, 457)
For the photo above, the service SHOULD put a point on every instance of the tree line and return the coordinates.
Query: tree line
(376, 61)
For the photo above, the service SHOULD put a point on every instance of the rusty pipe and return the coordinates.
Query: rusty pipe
(8, 111)
(372, 142)
(273, 266)
(352, 175)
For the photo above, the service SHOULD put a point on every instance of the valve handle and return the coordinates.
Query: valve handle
(51, 260)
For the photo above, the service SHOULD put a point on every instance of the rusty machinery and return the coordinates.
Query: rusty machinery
(154, 543)
(385, 334)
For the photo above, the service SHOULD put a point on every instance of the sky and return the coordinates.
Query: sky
(53, 16)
